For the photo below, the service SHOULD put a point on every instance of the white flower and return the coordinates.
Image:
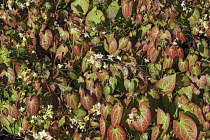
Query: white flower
(97, 64)
(146, 60)
(91, 60)
(22, 109)
(103, 33)
(60, 66)
(86, 35)
(119, 58)
(110, 57)
(98, 56)
(105, 65)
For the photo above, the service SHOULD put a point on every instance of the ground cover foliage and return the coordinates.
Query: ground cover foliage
(116, 70)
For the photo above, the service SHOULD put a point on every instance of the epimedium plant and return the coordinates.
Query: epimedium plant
(87, 69)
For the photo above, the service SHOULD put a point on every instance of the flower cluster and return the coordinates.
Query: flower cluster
(43, 135)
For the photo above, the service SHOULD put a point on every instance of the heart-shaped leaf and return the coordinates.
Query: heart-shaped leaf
(201, 82)
(46, 39)
(154, 32)
(98, 91)
(13, 111)
(143, 121)
(185, 128)
(94, 17)
(183, 65)
(167, 63)
(194, 109)
(116, 113)
(180, 52)
(171, 51)
(194, 18)
(77, 136)
(155, 132)
(127, 7)
(80, 6)
(72, 100)
(106, 110)
(112, 10)
(61, 52)
(32, 104)
(181, 36)
(63, 34)
(164, 120)
(116, 133)
(123, 42)
(139, 18)
(102, 126)
(79, 112)
(87, 101)
(166, 84)
(192, 58)
(195, 70)
(76, 50)
(112, 46)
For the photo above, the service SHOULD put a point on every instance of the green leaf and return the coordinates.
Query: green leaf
(79, 112)
(94, 17)
(80, 6)
(61, 121)
(155, 132)
(105, 110)
(61, 51)
(194, 18)
(112, 10)
(185, 128)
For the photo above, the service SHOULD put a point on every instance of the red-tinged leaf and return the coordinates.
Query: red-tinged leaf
(116, 53)
(171, 51)
(154, 93)
(185, 128)
(127, 6)
(166, 84)
(139, 18)
(142, 123)
(77, 136)
(183, 65)
(116, 113)
(46, 39)
(116, 133)
(11, 75)
(208, 79)
(102, 126)
(180, 52)
(32, 104)
(13, 111)
(153, 54)
(181, 100)
(102, 76)
(89, 83)
(164, 120)
(112, 46)
(206, 126)
(87, 101)
(98, 91)
(194, 109)
(76, 50)
(165, 35)
(183, 80)
(192, 58)
(106, 110)
(25, 124)
(155, 132)
(167, 63)
(188, 91)
(154, 69)
(5, 111)
(61, 52)
(85, 45)
(181, 36)
(201, 82)
(128, 47)
(123, 42)
(195, 70)
(154, 32)
(63, 34)
(72, 100)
